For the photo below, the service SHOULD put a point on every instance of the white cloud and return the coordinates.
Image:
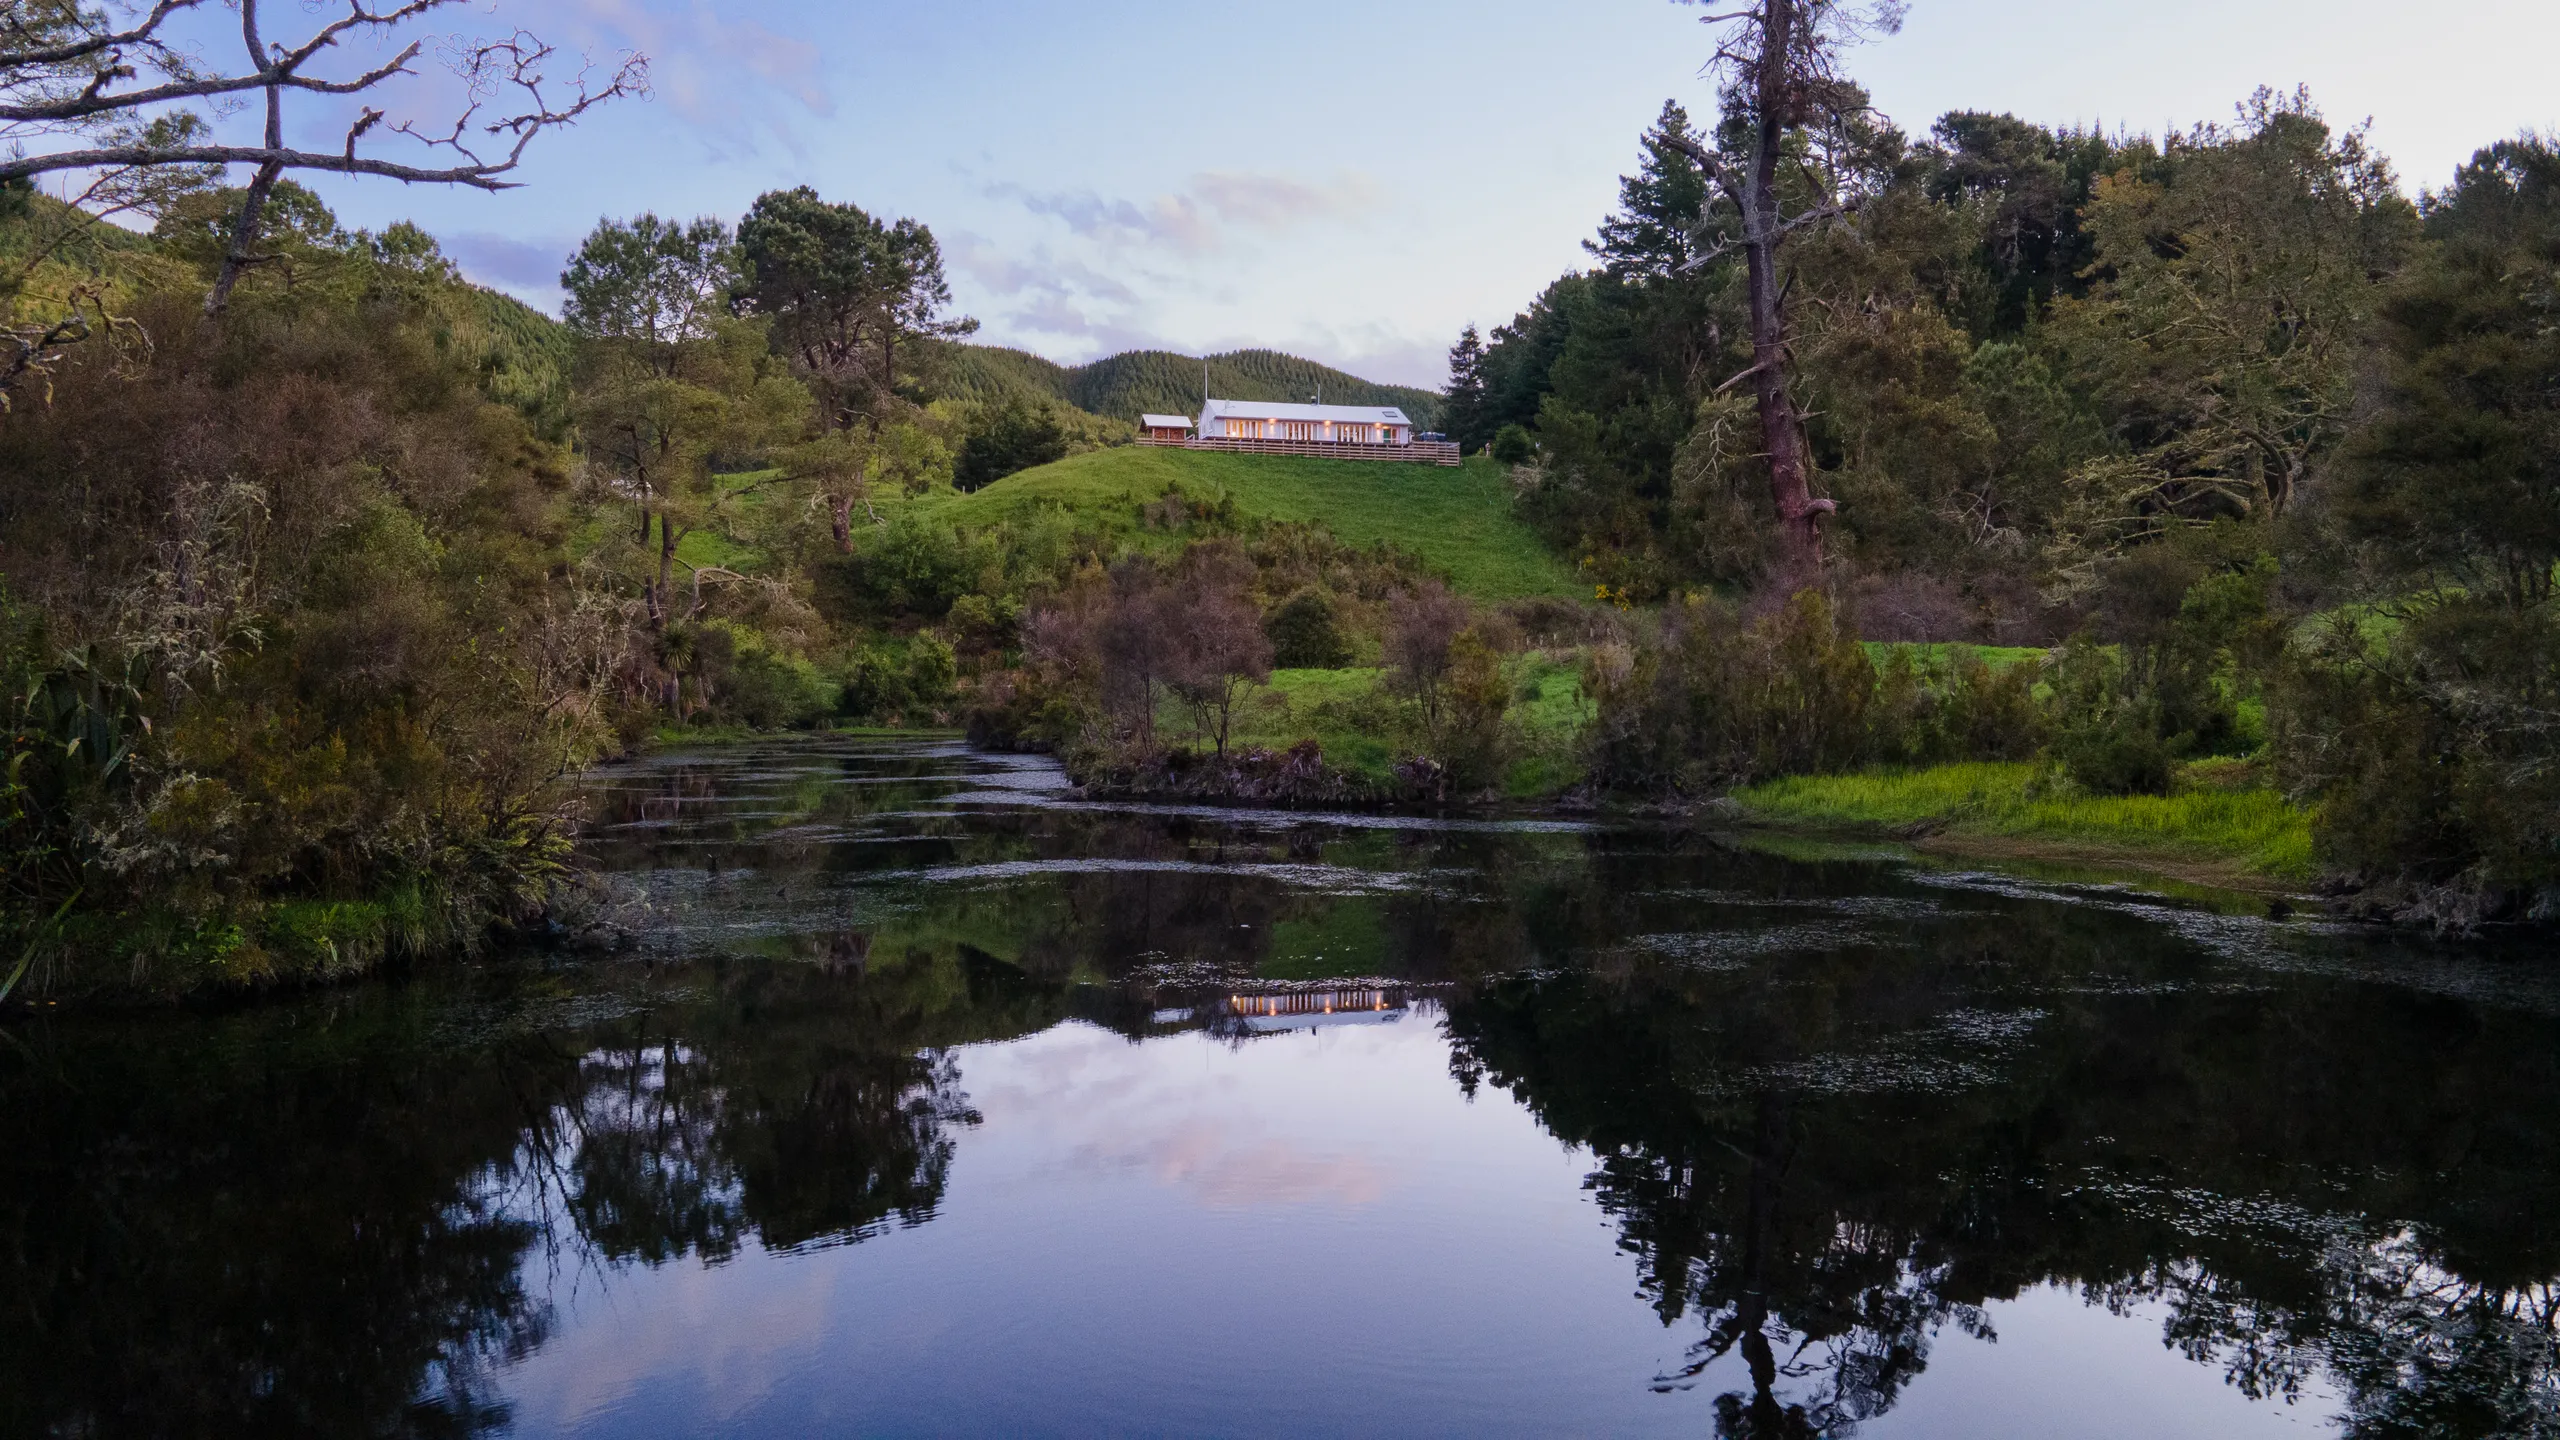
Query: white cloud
(717, 69)
(1206, 212)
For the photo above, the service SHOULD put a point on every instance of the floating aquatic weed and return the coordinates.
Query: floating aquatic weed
(1325, 879)
(1989, 1027)
(1918, 1060)
(2105, 988)
(2212, 1214)
(1726, 949)
(1880, 907)
(1874, 1073)
(1244, 818)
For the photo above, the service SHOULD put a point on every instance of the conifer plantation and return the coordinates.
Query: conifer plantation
(2206, 468)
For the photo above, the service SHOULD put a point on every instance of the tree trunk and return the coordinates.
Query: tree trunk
(239, 253)
(1769, 1156)
(840, 519)
(667, 537)
(1781, 427)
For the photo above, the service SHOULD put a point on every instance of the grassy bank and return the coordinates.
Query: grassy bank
(2016, 810)
(1458, 519)
(1363, 728)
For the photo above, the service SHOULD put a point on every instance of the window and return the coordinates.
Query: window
(1298, 429)
(1352, 434)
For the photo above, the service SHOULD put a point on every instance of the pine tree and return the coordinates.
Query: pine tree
(1462, 411)
(1660, 207)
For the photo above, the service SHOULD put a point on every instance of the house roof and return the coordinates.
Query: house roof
(1340, 414)
(1165, 422)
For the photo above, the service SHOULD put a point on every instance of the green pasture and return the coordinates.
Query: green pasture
(1457, 518)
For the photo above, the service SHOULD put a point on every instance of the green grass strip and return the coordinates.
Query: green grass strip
(2254, 827)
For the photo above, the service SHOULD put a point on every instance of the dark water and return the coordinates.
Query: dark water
(926, 1102)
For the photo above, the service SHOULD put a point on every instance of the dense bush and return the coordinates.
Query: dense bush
(1306, 633)
(1931, 711)
(2420, 720)
(1711, 700)
(1009, 438)
(897, 681)
(912, 566)
(298, 617)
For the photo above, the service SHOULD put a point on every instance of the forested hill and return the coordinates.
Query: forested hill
(1134, 382)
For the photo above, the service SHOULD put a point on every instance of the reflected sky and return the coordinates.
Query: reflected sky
(1313, 1233)
(857, 1099)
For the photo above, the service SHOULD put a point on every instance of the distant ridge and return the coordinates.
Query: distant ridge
(1136, 382)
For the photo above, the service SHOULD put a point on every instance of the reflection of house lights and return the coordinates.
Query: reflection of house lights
(1319, 1002)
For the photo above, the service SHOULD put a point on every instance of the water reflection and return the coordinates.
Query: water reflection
(1839, 1115)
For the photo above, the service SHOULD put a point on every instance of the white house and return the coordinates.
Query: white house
(1306, 424)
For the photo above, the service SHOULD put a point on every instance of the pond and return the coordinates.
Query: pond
(925, 1097)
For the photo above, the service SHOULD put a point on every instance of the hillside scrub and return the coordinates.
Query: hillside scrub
(2041, 400)
(307, 606)
(293, 666)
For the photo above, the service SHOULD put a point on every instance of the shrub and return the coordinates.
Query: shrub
(1473, 746)
(773, 692)
(912, 566)
(1306, 633)
(2107, 728)
(1512, 445)
(898, 681)
(1007, 440)
(1710, 701)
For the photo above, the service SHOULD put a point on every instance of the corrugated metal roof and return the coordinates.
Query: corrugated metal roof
(1165, 422)
(1339, 414)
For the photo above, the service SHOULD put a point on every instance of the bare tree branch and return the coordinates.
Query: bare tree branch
(82, 91)
(37, 96)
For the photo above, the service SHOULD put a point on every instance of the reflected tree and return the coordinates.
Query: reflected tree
(1825, 1163)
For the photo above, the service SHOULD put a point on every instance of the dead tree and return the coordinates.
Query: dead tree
(1778, 61)
(79, 86)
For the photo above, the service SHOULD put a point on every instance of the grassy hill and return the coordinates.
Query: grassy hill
(1457, 519)
(1126, 385)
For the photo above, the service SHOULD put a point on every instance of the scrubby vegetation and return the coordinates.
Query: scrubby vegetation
(2118, 462)
(2260, 449)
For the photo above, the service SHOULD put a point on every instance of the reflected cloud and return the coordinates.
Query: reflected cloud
(1228, 1169)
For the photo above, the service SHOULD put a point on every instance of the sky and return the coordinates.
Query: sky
(1350, 180)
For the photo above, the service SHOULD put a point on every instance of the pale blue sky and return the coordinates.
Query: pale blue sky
(1348, 179)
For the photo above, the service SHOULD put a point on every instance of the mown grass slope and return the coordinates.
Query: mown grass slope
(1458, 519)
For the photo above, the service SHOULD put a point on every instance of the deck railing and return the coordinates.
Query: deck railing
(1417, 452)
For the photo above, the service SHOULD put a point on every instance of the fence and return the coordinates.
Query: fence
(1419, 452)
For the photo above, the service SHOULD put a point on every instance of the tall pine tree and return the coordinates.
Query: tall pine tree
(1462, 412)
(1654, 235)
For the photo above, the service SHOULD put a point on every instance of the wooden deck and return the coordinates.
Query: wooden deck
(1419, 452)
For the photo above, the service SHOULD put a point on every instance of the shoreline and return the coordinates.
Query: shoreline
(1299, 777)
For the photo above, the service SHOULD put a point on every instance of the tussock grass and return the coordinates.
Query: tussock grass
(2253, 827)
